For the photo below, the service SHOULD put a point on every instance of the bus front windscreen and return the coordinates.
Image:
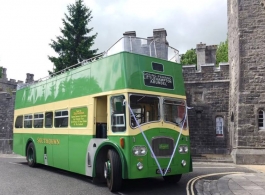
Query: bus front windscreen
(145, 109)
(174, 111)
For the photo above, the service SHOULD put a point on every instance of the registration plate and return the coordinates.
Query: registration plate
(164, 170)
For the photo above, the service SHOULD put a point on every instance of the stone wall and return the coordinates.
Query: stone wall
(246, 30)
(207, 92)
(7, 102)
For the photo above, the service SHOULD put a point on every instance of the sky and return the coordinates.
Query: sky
(27, 27)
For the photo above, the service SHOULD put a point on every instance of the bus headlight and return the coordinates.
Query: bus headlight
(180, 149)
(183, 149)
(139, 150)
(186, 149)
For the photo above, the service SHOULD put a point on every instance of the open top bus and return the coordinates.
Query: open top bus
(121, 115)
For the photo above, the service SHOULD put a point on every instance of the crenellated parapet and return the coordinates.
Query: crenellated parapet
(207, 73)
(9, 85)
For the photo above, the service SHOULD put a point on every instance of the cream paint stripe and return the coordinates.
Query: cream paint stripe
(88, 98)
(89, 102)
(193, 180)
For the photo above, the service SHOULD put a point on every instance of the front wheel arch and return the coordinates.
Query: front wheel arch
(100, 157)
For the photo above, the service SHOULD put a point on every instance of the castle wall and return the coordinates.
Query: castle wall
(7, 103)
(208, 93)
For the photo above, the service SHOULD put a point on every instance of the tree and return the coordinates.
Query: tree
(222, 52)
(75, 43)
(190, 57)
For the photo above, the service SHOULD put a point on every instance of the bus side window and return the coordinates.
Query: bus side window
(28, 121)
(61, 118)
(38, 120)
(48, 119)
(19, 122)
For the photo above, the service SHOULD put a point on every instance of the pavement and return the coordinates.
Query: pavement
(232, 184)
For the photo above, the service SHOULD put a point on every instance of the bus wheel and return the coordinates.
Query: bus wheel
(31, 155)
(112, 171)
(172, 178)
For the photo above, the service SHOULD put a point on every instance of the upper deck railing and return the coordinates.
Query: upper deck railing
(148, 47)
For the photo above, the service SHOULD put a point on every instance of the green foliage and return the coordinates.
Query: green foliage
(75, 43)
(222, 52)
(190, 57)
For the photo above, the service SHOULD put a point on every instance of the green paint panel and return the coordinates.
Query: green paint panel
(119, 71)
(63, 151)
(149, 163)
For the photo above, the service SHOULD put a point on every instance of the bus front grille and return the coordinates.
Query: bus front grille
(163, 146)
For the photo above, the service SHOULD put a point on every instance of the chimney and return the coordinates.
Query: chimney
(29, 78)
(160, 35)
(3, 76)
(210, 54)
(200, 50)
(129, 34)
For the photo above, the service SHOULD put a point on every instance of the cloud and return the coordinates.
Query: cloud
(28, 26)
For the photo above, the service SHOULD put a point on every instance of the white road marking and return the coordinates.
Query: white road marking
(13, 163)
(214, 167)
(193, 180)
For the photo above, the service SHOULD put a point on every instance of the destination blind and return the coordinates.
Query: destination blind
(158, 80)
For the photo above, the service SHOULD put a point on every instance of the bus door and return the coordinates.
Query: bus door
(100, 117)
(117, 113)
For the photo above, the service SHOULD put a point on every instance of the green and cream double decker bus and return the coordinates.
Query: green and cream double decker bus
(122, 115)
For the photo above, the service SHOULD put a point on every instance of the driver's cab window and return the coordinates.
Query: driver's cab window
(117, 110)
(174, 111)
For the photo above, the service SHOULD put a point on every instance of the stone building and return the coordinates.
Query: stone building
(207, 91)
(246, 43)
(7, 103)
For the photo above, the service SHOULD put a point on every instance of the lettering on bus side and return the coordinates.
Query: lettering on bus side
(78, 117)
(158, 80)
(48, 141)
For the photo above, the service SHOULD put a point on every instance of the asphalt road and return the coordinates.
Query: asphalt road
(17, 178)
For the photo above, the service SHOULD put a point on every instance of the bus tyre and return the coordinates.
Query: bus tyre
(172, 178)
(113, 171)
(31, 155)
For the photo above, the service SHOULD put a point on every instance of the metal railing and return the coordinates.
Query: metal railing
(148, 47)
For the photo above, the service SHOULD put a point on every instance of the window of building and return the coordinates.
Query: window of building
(219, 126)
(261, 120)
(48, 119)
(117, 110)
(19, 122)
(28, 121)
(61, 118)
(38, 120)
